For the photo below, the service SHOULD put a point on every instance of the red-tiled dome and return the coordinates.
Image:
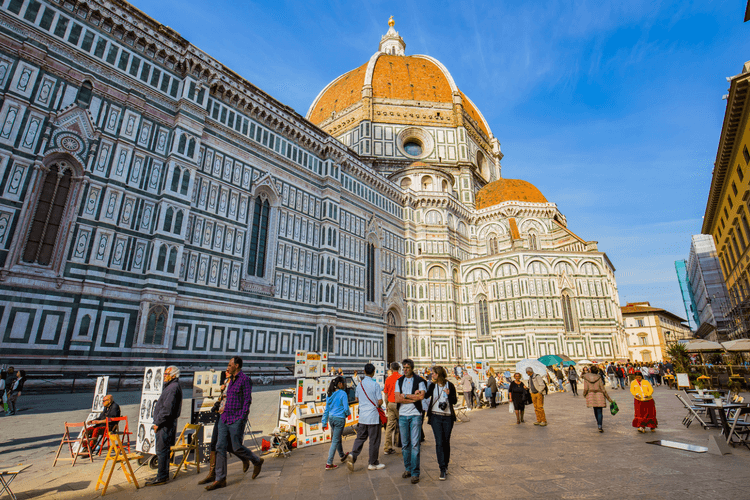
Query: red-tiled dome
(504, 190)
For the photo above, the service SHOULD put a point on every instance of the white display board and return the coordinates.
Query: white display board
(153, 383)
(683, 380)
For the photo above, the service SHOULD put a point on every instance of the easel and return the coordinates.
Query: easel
(116, 454)
(79, 446)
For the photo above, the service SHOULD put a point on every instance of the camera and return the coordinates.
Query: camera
(442, 405)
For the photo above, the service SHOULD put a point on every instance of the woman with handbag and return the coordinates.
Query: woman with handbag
(518, 394)
(645, 408)
(595, 394)
(337, 409)
(440, 398)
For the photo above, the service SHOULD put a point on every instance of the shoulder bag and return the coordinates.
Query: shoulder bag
(381, 413)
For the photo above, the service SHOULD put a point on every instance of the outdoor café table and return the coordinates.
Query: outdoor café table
(712, 407)
(705, 391)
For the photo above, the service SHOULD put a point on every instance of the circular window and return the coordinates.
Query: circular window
(415, 143)
(413, 148)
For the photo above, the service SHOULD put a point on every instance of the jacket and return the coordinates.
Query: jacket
(594, 391)
(169, 405)
(414, 388)
(466, 382)
(452, 399)
(492, 384)
(644, 390)
(538, 383)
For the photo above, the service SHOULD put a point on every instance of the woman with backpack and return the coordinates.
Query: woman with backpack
(595, 394)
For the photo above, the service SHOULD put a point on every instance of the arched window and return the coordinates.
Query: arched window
(370, 272)
(331, 333)
(330, 237)
(322, 264)
(256, 262)
(325, 339)
(83, 329)
(48, 216)
(168, 219)
(155, 326)
(421, 313)
(421, 292)
(483, 318)
(175, 179)
(162, 258)
(434, 218)
(172, 260)
(178, 222)
(182, 144)
(83, 98)
(191, 147)
(426, 183)
(567, 313)
(422, 348)
(185, 182)
(328, 266)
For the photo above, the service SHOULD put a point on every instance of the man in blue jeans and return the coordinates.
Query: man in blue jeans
(166, 412)
(409, 393)
(231, 424)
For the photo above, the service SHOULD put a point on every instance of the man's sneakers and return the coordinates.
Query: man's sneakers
(217, 484)
(543, 424)
(331, 466)
(406, 474)
(377, 466)
(389, 452)
(414, 479)
(156, 482)
(343, 459)
(537, 423)
(443, 475)
(256, 468)
(350, 459)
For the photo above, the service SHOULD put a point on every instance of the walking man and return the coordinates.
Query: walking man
(560, 378)
(410, 391)
(368, 394)
(15, 389)
(231, 424)
(391, 429)
(467, 385)
(537, 388)
(612, 375)
(166, 412)
(620, 376)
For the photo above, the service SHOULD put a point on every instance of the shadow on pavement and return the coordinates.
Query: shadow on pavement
(47, 440)
(76, 486)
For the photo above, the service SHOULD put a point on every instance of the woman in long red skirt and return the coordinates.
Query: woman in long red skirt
(645, 409)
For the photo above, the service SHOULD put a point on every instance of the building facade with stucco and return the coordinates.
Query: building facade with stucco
(650, 331)
(156, 207)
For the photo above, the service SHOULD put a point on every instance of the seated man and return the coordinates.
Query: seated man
(111, 410)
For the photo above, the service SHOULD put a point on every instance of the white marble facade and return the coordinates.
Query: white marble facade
(156, 207)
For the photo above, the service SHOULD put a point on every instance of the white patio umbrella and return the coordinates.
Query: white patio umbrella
(737, 345)
(534, 364)
(703, 345)
(585, 362)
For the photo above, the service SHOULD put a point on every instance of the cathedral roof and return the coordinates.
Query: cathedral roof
(503, 190)
(395, 76)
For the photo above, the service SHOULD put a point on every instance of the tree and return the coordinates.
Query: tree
(680, 357)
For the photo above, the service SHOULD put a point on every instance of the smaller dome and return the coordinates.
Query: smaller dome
(504, 190)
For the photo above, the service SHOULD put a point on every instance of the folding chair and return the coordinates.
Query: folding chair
(11, 474)
(125, 434)
(116, 455)
(740, 428)
(692, 414)
(187, 443)
(79, 446)
(461, 415)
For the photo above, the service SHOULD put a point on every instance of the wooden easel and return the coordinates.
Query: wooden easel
(116, 454)
(78, 446)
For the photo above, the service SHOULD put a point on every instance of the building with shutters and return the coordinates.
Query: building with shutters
(156, 207)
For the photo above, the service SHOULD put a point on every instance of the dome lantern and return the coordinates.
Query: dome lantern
(392, 43)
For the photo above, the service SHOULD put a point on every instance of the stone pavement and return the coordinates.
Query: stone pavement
(492, 457)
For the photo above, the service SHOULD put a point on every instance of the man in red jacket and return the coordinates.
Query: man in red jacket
(391, 429)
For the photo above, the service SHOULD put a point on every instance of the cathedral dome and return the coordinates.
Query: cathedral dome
(391, 78)
(504, 190)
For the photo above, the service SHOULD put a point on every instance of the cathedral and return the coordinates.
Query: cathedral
(155, 207)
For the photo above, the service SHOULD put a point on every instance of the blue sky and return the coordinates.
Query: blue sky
(613, 110)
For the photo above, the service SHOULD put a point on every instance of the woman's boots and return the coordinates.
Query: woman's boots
(518, 417)
(212, 471)
(521, 416)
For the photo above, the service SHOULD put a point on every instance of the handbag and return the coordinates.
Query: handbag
(527, 398)
(613, 408)
(511, 408)
(381, 412)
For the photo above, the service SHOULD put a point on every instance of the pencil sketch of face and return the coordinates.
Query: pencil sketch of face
(147, 383)
(141, 432)
(157, 380)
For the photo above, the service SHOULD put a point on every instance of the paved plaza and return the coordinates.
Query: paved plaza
(492, 458)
